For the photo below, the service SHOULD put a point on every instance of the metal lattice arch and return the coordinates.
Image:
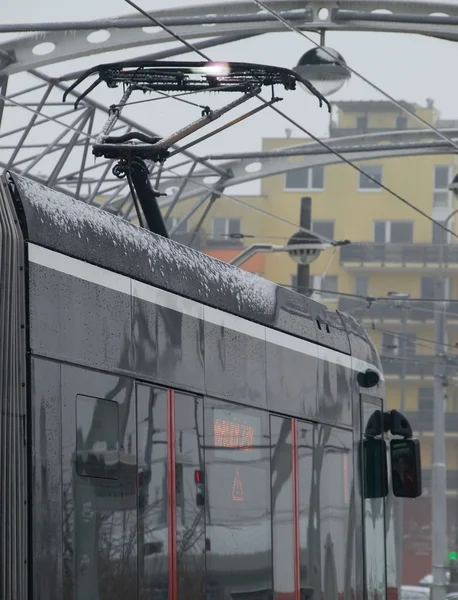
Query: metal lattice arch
(51, 142)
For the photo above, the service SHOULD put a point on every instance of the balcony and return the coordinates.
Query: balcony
(422, 421)
(398, 255)
(418, 366)
(452, 479)
(420, 312)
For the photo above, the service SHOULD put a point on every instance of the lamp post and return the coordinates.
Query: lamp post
(302, 253)
(324, 68)
(401, 297)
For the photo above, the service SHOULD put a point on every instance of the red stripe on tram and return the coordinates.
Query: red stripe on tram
(171, 496)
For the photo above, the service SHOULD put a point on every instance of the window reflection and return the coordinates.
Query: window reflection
(190, 495)
(282, 508)
(152, 493)
(103, 544)
(238, 527)
(337, 529)
(374, 529)
(308, 527)
(97, 437)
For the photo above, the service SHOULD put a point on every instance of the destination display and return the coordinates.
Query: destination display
(236, 436)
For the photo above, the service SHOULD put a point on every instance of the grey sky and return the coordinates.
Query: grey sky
(408, 67)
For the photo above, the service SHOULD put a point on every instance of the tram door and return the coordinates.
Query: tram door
(373, 523)
(171, 489)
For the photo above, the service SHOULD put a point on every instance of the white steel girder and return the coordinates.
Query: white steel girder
(257, 165)
(424, 17)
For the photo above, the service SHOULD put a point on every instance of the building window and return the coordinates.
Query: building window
(366, 184)
(401, 122)
(97, 437)
(173, 222)
(425, 399)
(399, 232)
(324, 228)
(398, 345)
(440, 236)
(361, 124)
(225, 226)
(305, 179)
(326, 285)
(441, 193)
(362, 285)
(430, 290)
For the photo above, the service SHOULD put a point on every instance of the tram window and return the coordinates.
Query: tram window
(237, 502)
(153, 566)
(190, 497)
(282, 505)
(375, 468)
(97, 437)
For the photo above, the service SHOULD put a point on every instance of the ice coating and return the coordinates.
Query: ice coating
(165, 257)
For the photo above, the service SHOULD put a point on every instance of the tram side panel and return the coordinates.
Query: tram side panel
(14, 424)
(98, 523)
(85, 330)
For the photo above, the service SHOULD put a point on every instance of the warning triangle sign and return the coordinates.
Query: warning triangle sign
(237, 488)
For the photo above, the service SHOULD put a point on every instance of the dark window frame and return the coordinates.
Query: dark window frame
(367, 185)
(310, 175)
(87, 463)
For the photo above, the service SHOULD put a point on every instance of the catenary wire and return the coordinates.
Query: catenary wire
(360, 170)
(167, 29)
(292, 27)
(293, 122)
(246, 204)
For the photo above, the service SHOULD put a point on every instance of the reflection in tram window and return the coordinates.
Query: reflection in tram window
(97, 433)
(308, 527)
(237, 504)
(374, 528)
(101, 551)
(152, 494)
(334, 474)
(190, 497)
(283, 537)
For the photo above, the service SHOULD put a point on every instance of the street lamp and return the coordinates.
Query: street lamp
(302, 253)
(324, 68)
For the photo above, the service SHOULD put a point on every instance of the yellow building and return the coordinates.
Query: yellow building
(393, 249)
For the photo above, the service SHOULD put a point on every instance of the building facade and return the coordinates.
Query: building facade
(393, 250)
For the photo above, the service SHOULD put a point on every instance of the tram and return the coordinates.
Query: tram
(174, 428)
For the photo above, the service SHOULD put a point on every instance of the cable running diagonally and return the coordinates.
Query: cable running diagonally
(292, 27)
(247, 205)
(293, 122)
(354, 166)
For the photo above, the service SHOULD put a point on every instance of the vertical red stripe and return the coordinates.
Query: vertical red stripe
(171, 496)
(297, 573)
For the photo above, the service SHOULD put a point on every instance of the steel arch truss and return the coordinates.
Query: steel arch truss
(53, 146)
(54, 143)
(257, 165)
(55, 138)
(424, 17)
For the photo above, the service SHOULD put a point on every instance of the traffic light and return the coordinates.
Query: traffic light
(453, 556)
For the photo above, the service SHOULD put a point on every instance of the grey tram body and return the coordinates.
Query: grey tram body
(94, 307)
